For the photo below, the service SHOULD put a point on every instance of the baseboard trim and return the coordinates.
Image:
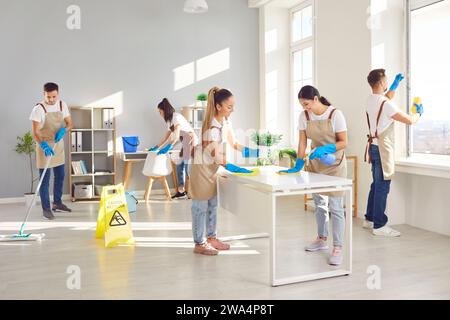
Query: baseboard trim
(67, 197)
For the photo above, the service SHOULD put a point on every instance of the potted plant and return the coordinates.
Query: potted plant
(202, 98)
(26, 145)
(290, 154)
(265, 142)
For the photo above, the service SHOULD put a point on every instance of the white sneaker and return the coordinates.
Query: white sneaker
(386, 231)
(367, 224)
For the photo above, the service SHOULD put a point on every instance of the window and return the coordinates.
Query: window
(429, 64)
(302, 58)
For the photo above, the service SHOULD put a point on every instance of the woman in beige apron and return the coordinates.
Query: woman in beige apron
(380, 148)
(325, 126)
(47, 132)
(178, 129)
(208, 156)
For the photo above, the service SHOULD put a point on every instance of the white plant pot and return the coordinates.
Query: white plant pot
(29, 199)
(157, 166)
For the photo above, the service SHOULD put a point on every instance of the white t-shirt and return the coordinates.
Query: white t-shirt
(219, 135)
(38, 113)
(178, 119)
(338, 119)
(373, 106)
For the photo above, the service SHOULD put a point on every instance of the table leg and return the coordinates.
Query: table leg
(127, 169)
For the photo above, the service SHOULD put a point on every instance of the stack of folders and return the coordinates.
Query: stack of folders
(107, 119)
(79, 167)
(77, 141)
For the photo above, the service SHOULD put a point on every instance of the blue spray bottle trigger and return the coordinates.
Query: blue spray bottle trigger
(328, 159)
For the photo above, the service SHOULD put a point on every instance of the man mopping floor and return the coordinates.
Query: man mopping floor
(50, 122)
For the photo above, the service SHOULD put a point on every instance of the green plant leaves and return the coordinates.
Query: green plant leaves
(266, 138)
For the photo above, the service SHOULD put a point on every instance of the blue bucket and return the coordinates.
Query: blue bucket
(130, 143)
(132, 202)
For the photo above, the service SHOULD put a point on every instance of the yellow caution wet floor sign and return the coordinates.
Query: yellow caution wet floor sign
(113, 222)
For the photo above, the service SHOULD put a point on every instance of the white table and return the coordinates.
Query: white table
(253, 200)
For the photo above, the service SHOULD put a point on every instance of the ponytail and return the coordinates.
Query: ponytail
(309, 92)
(324, 101)
(216, 96)
(167, 109)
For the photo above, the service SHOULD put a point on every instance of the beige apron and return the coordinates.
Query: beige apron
(203, 174)
(321, 133)
(385, 146)
(52, 123)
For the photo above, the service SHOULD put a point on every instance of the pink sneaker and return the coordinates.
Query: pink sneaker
(205, 249)
(217, 244)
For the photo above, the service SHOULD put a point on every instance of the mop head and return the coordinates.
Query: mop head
(22, 237)
(254, 173)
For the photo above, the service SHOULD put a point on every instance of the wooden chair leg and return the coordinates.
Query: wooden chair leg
(166, 188)
(148, 189)
(186, 184)
(305, 199)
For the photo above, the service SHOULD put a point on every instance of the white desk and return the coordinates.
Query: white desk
(253, 200)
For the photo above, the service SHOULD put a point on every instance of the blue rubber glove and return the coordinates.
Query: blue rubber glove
(165, 149)
(297, 168)
(398, 78)
(236, 169)
(153, 148)
(322, 151)
(46, 148)
(250, 153)
(60, 134)
(419, 108)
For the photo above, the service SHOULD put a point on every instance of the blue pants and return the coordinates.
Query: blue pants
(58, 182)
(204, 216)
(379, 190)
(182, 168)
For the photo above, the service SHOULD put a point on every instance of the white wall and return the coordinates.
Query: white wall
(343, 62)
(126, 47)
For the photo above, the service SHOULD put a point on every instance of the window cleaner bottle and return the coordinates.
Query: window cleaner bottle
(328, 159)
(416, 101)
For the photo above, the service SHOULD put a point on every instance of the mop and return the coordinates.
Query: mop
(21, 236)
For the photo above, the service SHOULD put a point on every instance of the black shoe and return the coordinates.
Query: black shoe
(179, 195)
(61, 207)
(48, 214)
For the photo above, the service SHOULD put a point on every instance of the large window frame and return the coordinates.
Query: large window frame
(296, 46)
(417, 156)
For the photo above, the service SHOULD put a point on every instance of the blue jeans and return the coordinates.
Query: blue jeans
(336, 208)
(379, 190)
(58, 182)
(204, 215)
(182, 168)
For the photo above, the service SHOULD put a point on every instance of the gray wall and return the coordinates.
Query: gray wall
(123, 46)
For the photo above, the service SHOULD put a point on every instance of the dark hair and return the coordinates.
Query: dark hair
(309, 92)
(50, 86)
(167, 109)
(375, 76)
(221, 95)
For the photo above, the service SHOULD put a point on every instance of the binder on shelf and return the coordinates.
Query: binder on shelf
(79, 141)
(105, 118)
(110, 118)
(73, 136)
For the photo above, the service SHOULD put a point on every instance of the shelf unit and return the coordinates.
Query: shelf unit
(98, 149)
(194, 115)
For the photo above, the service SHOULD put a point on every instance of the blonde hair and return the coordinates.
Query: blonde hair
(211, 111)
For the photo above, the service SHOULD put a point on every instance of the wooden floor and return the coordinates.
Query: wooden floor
(162, 265)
